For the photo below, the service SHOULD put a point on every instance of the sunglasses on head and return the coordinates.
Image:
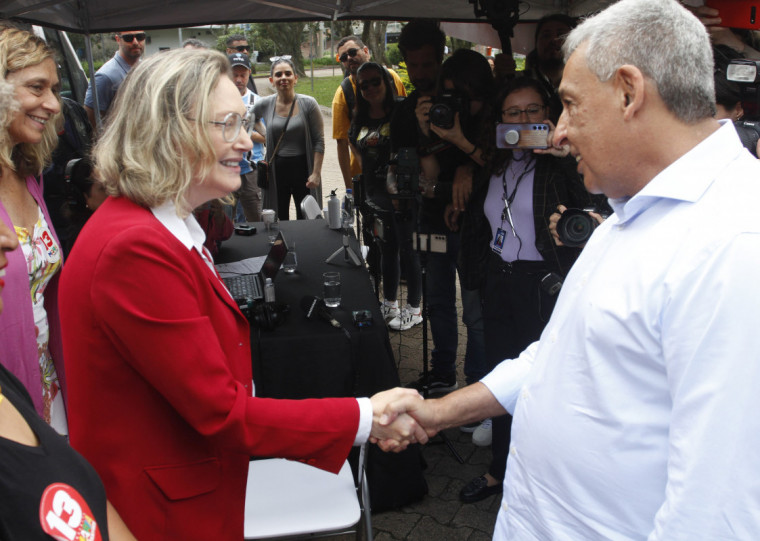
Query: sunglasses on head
(350, 52)
(364, 85)
(241, 48)
(274, 59)
(130, 37)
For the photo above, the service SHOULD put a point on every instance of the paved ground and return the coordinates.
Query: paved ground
(440, 515)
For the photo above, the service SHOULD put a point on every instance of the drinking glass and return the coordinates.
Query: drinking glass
(331, 288)
(290, 263)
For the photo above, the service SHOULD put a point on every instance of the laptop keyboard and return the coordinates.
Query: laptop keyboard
(244, 286)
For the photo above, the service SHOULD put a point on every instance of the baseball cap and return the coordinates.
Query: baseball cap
(239, 59)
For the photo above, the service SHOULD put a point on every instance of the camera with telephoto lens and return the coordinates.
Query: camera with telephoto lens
(747, 74)
(575, 226)
(444, 109)
(407, 173)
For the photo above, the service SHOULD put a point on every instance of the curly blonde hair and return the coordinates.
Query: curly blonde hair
(156, 140)
(20, 49)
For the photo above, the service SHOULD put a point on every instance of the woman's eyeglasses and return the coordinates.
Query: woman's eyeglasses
(274, 59)
(242, 48)
(514, 113)
(230, 125)
(129, 38)
(350, 52)
(365, 85)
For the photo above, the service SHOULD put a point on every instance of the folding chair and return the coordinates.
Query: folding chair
(291, 500)
(310, 208)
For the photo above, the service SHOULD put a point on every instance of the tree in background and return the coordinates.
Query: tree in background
(373, 36)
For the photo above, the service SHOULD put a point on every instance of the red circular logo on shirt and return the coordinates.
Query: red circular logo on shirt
(65, 515)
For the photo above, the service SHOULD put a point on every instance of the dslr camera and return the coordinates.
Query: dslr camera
(747, 74)
(575, 226)
(444, 109)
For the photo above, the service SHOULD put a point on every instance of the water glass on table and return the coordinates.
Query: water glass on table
(331, 288)
(290, 263)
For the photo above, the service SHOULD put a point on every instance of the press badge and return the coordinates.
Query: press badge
(498, 241)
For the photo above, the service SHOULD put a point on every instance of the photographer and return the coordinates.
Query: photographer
(507, 250)
(465, 85)
(369, 136)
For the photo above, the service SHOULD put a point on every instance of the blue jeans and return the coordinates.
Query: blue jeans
(442, 314)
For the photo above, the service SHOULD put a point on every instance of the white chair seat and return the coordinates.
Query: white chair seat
(285, 498)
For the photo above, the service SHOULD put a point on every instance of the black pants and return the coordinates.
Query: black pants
(515, 311)
(291, 174)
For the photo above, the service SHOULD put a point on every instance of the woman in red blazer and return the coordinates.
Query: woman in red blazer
(160, 363)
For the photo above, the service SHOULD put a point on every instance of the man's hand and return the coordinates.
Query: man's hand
(422, 111)
(402, 405)
(392, 429)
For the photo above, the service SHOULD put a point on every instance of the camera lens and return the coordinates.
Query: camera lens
(442, 115)
(575, 227)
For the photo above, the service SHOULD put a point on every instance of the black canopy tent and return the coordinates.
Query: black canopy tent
(98, 16)
(94, 16)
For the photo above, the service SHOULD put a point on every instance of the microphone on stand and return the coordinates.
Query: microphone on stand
(314, 307)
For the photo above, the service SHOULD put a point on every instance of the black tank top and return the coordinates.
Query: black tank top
(47, 487)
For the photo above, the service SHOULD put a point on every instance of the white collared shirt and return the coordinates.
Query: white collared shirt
(189, 233)
(635, 415)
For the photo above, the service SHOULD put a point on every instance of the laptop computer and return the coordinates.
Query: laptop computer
(249, 288)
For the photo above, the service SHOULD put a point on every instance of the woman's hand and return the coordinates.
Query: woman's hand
(453, 134)
(315, 179)
(558, 152)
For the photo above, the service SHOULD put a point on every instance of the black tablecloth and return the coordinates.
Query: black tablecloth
(309, 358)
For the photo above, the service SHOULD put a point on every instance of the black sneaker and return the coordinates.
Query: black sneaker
(434, 384)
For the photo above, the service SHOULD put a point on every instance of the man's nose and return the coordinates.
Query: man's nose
(560, 134)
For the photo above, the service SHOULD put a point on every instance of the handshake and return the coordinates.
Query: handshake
(400, 417)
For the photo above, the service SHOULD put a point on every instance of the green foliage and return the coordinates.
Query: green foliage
(324, 88)
(393, 54)
(97, 63)
(401, 71)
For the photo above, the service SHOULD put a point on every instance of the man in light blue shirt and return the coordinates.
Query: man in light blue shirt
(635, 413)
(249, 193)
(109, 77)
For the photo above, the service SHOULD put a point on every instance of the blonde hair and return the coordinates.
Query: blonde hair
(20, 49)
(156, 140)
(8, 106)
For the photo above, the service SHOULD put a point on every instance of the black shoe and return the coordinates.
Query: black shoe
(478, 489)
(434, 384)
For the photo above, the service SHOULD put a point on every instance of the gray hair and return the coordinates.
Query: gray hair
(661, 38)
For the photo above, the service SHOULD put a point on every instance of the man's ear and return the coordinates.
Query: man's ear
(630, 86)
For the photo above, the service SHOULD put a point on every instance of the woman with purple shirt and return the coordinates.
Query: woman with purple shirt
(507, 248)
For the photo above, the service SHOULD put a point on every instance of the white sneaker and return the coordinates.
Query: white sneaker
(389, 310)
(408, 318)
(482, 435)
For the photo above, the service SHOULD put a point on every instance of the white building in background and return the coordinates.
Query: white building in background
(172, 38)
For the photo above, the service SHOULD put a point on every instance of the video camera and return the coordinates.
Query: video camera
(746, 73)
(407, 174)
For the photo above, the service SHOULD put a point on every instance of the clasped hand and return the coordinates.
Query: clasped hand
(397, 415)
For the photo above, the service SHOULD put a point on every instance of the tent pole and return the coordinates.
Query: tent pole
(91, 70)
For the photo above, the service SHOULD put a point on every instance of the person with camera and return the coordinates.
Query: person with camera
(464, 87)
(369, 136)
(507, 251)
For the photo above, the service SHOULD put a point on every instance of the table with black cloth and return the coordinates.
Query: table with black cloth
(308, 358)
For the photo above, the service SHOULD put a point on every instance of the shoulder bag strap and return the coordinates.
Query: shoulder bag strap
(274, 153)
